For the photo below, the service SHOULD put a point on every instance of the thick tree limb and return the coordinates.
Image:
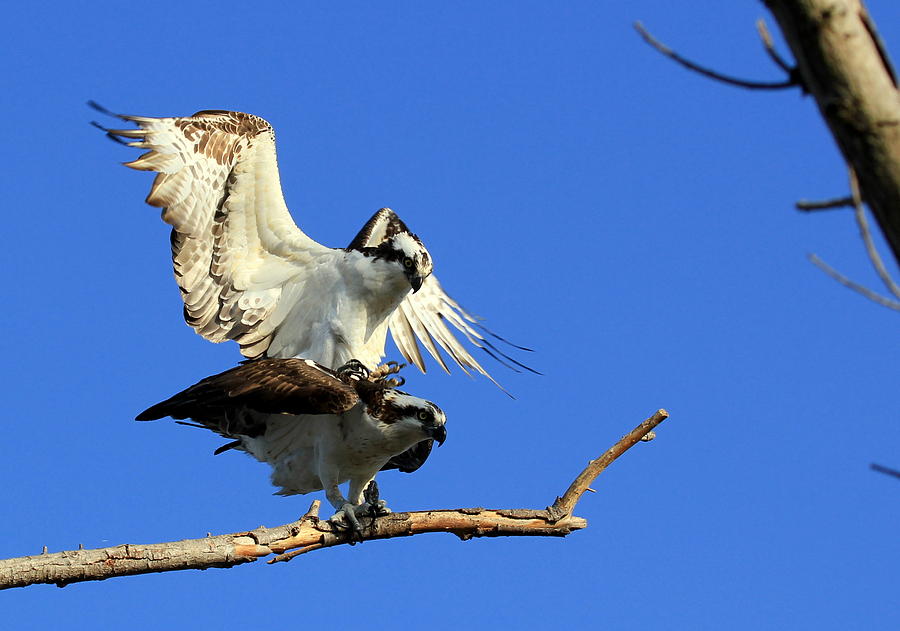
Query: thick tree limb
(843, 64)
(309, 533)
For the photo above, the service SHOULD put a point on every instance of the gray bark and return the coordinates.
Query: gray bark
(842, 62)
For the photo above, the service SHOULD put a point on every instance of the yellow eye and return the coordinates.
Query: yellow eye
(407, 262)
(423, 416)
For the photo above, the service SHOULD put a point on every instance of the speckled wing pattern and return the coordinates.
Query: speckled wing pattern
(267, 386)
(239, 258)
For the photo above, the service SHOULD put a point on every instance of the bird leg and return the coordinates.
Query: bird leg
(376, 506)
(345, 515)
(350, 509)
(362, 501)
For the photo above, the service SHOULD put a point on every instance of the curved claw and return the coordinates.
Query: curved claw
(377, 509)
(353, 370)
(346, 519)
(388, 368)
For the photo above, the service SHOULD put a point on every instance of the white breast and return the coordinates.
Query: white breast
(343, 314)
(303, 450)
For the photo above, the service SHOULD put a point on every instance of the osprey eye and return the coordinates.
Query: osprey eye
(407, 262)
(423, 416)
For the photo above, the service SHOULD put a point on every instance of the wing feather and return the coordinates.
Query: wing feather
(415, 322)
(267, 386)
(426, 313)
(235, 247)
(405, 339)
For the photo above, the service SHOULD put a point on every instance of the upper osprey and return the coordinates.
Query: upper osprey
(248, 273)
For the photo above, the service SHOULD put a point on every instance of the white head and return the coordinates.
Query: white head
(408, 419)
(387, 238)
(411, 255)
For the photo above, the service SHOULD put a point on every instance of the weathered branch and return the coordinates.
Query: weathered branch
(841, 61)
(310, 533)
(566, 504)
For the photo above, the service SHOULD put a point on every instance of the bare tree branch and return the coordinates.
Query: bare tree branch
(706, 72)
(886, 470)
(866, 234)
(766, 38)
(566, 504)
(855, 202)
(846, 282)
(825, 204)
(844, 65)
(310, 533)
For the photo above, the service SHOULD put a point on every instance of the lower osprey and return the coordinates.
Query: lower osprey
(315, 427)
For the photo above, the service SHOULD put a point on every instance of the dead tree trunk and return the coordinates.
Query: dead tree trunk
(842, 62)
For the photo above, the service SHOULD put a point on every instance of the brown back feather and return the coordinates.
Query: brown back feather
(274, 386)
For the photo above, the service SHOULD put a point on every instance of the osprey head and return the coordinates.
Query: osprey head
(410, 253)
(411, 419)
(386, 237)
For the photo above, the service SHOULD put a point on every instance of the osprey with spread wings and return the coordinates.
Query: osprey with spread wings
(248, 273)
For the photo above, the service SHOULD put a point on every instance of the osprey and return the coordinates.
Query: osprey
(248, 273)
(315, 427)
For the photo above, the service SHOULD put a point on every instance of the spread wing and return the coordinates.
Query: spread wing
(226, 402)
(240, 260)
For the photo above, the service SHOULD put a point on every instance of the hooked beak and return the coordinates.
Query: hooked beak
(416, 282)
(438, 433)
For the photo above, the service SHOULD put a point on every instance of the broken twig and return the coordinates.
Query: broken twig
(712, 74)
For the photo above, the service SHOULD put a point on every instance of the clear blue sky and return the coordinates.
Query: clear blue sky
(631, 221)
